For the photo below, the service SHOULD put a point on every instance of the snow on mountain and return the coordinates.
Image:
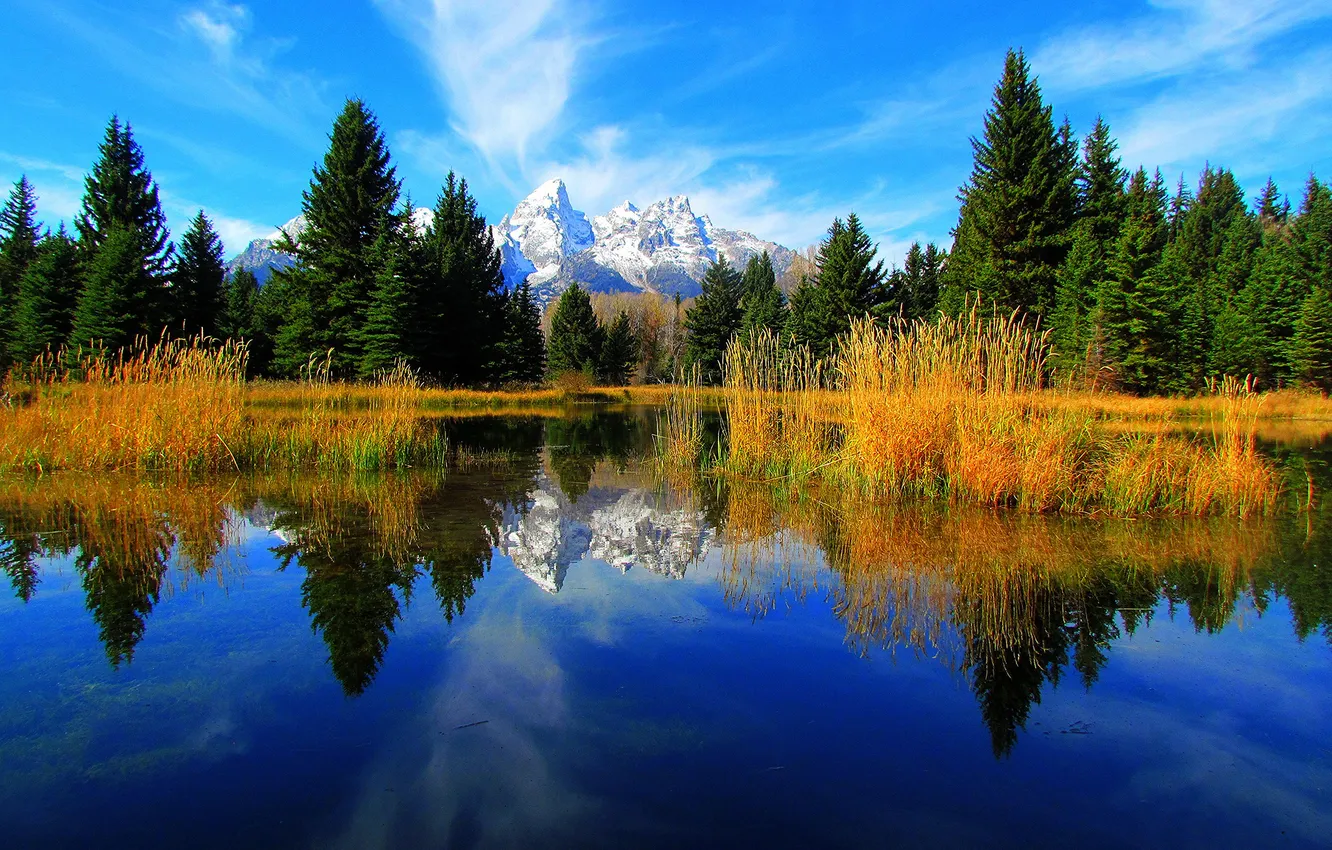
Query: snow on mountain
(664, 247)
(620, 527)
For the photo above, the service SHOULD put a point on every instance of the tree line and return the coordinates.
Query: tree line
(369, 288)
(1142, 288)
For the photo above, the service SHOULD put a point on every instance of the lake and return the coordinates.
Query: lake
(546, 644)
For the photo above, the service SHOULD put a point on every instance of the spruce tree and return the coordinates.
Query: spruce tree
(198, 280)
(575, 337)
(1120, 340)
(849, 284)
(1272, 209)
(762, 305)
(713, 320)
(18, 249)
(524, 345)
(915, 288)
(238, 319)
(386, 336)
(1018, 206)
(1100, 212)
(120, 196)
(47, 293)
(462, 303)
(619, 352)
(117, 283)
(1311, 347)
(327, 293)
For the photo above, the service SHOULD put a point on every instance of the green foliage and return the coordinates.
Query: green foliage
(386, 336)
(1311, 346)
(116, 293)
(575, 337)
(713, 320)
(327, 295)
(762, 305)
(1019, 205)
(198, 279)
(1101, 208)
(48, 291)
(18, 250)
(915, 288)
(238, 313)
(462, 295)
(619, 352)
(523, 355)
(850, 284)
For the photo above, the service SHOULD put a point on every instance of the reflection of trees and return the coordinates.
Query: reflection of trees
(577, 444)
(122, 532)
(364, 544)
(1010, 601)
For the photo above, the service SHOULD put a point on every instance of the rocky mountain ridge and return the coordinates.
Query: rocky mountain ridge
(664, 247)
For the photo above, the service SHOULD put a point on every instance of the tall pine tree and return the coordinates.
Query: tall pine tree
(326, 295)
(238, 313)
(198, 280)
(120, 198)
(848, 284)
(48, 291)
(619, 352)
(1019, 205)
(762, 305)
(18, 249)
(386, 337)
(524, 345)
(462, 302)
(575, 337)
(1100, 212)
(713, 320)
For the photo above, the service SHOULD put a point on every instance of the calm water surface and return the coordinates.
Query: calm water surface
(540, 646)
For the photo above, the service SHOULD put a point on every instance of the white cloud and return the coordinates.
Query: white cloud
(505, 76)
(1258, 122)
(234, 72)
(219, 26)
(1176, 37)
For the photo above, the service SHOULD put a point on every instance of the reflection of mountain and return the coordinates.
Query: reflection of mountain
(622, 527)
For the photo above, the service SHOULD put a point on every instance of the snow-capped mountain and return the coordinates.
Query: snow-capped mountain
(261, 258)
(664, 247)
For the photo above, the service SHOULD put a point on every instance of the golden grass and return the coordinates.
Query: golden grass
(957, 408)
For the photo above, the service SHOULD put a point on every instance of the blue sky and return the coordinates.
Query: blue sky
(774, 118)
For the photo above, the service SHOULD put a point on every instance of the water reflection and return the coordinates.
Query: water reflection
(1013, 604)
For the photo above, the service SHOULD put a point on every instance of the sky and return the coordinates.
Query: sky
(773, 117)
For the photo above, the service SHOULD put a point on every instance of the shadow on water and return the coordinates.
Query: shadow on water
(1013, 603)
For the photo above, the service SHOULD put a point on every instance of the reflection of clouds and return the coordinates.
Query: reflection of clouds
(487, 785)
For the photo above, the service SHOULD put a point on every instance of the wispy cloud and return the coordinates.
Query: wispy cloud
(506, 77)
(235, 72)
(1253, 124)
(1175, 37)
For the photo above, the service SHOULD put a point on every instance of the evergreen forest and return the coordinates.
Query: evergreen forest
(1144, 283)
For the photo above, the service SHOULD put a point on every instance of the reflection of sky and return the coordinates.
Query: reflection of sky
(631, 709)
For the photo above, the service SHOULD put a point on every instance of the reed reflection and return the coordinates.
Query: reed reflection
(1011, 602)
